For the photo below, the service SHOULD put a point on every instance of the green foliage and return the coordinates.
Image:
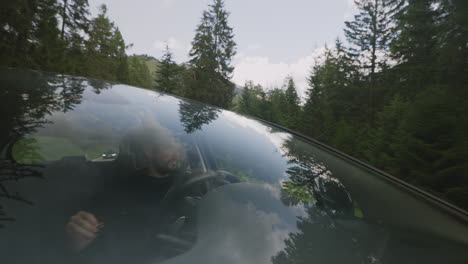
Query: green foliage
(299, 192)
(253, 101)
(212, 50)
(415, 45)
(276, 100)
(406, 117)
(138, 73)
(193, 116)
(167, 77)
(58, 36)
(106, 50)
(369, 33)
(292, 104)
(389, 136)
(74, 17)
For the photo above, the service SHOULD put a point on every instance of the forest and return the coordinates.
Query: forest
(393, 93)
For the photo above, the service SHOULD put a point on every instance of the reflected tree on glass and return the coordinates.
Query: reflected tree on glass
(327, 240)
(310, 181)
(98, 85)
(194, 115)
(330, 231)
(29, 97)
(70, 92)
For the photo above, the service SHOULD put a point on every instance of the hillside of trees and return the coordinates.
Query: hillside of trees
(393, 93)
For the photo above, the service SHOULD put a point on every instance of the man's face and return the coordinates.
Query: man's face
(164, 161)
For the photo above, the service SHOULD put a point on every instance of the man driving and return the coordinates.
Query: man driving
(120, 219)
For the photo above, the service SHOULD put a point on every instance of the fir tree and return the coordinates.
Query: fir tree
(212, 50)
(138, 73)
(106, 49)
(74, 16)
(292, 103)
(369, 34)
(415, 44)
(167, 75)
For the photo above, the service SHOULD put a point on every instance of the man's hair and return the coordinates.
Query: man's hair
(153, 136)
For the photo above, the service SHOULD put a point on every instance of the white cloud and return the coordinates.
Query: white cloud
(235, 225)
(277, 138)
(254, 47)
(270, 74)
(179, 49)
(167, 3)
(351, 10)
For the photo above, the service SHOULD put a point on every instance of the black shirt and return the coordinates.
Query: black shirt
(130, 208)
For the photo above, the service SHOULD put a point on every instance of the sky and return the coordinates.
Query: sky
(275, 38)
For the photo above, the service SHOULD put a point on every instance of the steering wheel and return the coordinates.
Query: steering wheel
(181, 190)
(180, 196)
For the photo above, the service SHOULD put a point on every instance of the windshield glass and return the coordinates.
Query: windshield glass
(93, 172)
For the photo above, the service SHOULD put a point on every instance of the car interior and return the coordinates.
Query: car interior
(51, 190)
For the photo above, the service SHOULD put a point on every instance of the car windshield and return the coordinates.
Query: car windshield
(94, 172)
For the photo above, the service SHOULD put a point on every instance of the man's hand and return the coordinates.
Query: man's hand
(81, 230)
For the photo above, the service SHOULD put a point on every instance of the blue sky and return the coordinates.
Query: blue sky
(275, 38)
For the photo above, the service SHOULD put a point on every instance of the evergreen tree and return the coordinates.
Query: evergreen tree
(276, 99)
(17, 29)
(253, 101)
(415, 44)
(452, 40)
(138, 73)
(212, 50)
(194, 115)
(167, 76)
(74, 17)
(106, 49)
(369, 34)
(120, 57)
(100, 34)
(292, 108)
(46, 47)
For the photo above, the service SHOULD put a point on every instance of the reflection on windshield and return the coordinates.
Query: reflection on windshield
(163, 178)
(311, 181)
(23, 110)
(194, 115)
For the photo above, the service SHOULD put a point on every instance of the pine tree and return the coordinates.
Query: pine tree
(17, 29)
(292, 108)
(276, 101)
(106, 50)
(120, 57)
(74, 16)
(212, 50)
(253, 101)
(415, 44)
(46, 47)
(369, 34)
(167, 75)
(100, 34)
(452, 36)
(138, 73)
(317, 116)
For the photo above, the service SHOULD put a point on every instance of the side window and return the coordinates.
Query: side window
(45, 148)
